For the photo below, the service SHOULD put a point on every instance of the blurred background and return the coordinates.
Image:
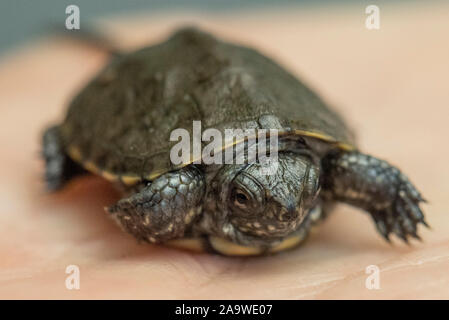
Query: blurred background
(23, 19)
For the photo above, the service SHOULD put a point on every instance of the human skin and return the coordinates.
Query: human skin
(394, 96)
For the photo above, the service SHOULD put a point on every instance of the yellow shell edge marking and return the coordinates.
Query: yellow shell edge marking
(288, 243)
(342, 145)
(90, 166)
(192, 244)
(130, 180)
(346, 147)
(75, 154)
(153, 175)
(321, 136)
(229, 248)
(109, 176)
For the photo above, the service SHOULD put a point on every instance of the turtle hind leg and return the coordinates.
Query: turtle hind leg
(59, 168)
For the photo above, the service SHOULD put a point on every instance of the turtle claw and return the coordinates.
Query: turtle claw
(426, 224)
(417, 237)
(405, 239)
(383, 229)
(403, 216)
(387, 238)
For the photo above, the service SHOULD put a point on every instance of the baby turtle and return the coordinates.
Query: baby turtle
(119, 127)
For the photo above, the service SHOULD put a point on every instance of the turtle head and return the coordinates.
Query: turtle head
(268, 201)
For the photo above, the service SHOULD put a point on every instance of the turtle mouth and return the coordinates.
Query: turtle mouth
(273, 229)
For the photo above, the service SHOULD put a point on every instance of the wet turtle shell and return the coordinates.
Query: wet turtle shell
(119, 125)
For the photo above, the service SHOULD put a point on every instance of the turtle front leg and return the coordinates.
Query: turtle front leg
(164, 208)
(379, 188)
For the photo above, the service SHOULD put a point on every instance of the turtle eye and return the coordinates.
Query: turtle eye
(246, 195)
(240, 199)
(246, 200)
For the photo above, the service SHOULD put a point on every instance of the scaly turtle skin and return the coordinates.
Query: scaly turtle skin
(119, 127)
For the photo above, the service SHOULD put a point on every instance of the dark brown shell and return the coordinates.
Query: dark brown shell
(120, 124)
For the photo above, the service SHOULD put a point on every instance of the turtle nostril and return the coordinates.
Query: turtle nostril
(289, 215)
